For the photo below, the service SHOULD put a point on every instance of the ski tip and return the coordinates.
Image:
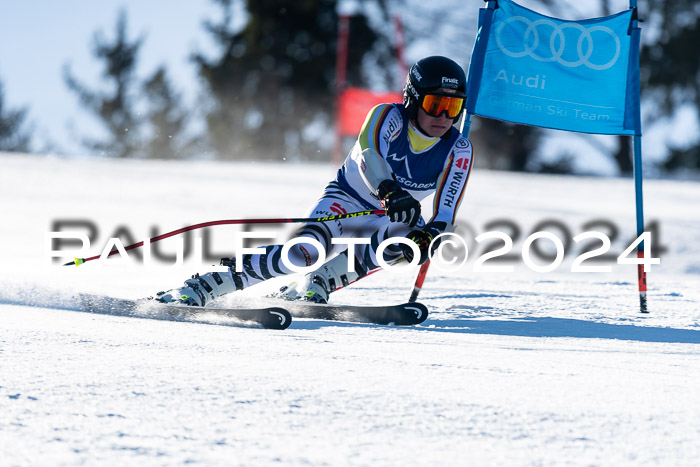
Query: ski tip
(419, 310)
(277, 318)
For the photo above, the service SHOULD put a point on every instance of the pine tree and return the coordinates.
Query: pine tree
(14, 137)
(274, 77)
(114, 107)
(670, 69)
(167, 120)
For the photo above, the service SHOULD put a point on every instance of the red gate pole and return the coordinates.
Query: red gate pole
(341, 69)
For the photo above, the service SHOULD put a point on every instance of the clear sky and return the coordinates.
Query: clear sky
(37, 38)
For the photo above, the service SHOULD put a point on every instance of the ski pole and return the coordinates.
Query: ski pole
(420, 278)
(290, 220)
(418, 285)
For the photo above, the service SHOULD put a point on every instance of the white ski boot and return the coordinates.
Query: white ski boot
(316, 286)
(200, 290)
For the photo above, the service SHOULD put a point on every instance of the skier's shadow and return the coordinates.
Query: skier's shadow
(564, 327)
(530, 327)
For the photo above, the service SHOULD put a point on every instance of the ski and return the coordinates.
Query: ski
(405, 314)
(277, 315)
(271, 317)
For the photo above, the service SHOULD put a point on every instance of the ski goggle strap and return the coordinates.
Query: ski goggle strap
(435, 105)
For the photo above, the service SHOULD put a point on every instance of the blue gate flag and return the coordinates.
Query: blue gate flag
(537, 70)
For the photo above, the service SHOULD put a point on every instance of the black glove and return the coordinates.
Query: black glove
(423, 238)
(400, 206)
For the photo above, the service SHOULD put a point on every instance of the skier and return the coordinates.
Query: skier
(404, 153)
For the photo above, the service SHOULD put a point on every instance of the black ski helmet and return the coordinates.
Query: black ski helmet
(432, 75)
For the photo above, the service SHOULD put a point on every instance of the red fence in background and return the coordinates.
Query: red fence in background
(353, 105)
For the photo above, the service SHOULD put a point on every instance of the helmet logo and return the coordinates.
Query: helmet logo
(449, 82)
(416, 73)
(413, 90)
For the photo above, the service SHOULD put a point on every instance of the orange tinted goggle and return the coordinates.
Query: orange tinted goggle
(436, 105)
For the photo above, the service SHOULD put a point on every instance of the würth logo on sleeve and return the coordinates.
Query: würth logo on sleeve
(463, 163)
(452, 190)
(338, 209)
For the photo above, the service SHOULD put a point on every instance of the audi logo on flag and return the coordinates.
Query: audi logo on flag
(543, 32)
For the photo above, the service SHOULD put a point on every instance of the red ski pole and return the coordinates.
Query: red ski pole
(379, 212)
(420, 278)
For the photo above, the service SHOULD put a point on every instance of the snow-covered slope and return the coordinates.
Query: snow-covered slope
(511, 368)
